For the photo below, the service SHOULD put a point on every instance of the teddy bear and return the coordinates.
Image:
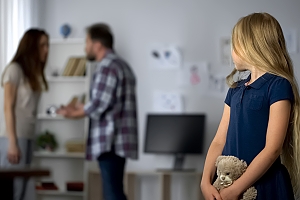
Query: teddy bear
(229, 169)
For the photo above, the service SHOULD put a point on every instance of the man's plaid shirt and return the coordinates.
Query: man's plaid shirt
(112, 110)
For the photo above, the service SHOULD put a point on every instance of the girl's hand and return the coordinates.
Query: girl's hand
(13, 153)
(229, 194)
(210, 192)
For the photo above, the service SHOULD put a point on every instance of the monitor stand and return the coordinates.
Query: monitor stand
(178, 165)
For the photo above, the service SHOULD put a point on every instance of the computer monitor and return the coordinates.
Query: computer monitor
(177, 134)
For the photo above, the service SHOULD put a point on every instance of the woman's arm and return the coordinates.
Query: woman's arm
(10, 120)
(276, 132)
(214, 151)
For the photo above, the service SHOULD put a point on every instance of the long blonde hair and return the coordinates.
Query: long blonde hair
(258, 40)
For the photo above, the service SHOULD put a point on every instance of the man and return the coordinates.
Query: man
(112, 111)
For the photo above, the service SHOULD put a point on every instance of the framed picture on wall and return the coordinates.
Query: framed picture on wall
(225, 51)
(291, 40)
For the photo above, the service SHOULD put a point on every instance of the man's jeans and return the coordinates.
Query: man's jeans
(112, 172)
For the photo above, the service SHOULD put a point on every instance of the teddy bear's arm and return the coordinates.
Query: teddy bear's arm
(217, 184)
(250, 194)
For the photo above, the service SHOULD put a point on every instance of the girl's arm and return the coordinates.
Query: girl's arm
(214, 151)
(13, 153)
(276, 132)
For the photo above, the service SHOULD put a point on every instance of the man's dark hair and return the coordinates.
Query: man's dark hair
(101, 32)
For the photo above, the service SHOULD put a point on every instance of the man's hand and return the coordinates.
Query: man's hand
(62, 111)
(72, 111)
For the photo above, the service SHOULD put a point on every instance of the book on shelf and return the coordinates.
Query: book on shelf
(80, 69)
(75, 67)
(69, 66)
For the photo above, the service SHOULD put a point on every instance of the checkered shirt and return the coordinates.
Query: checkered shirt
(112, 110)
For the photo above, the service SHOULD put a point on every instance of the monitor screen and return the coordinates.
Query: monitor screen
(178, 134)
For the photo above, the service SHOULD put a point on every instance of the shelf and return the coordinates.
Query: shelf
(59, 193)
(49, 117)
(57, 117)
(59, 155)
(67, 41)
(66, 79)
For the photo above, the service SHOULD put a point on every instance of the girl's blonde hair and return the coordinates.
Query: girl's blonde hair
(258, 40)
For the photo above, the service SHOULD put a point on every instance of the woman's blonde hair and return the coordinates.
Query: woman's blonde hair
(258, 40)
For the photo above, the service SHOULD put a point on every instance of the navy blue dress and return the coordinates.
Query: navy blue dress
(246, 136)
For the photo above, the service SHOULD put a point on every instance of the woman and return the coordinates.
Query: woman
(23, 81)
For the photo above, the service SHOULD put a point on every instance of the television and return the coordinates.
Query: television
(177, 134)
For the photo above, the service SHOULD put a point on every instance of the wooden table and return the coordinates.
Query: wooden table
(7, 177)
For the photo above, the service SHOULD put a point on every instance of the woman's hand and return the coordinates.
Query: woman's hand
(210, 192)
(229, 193)
(13, 153)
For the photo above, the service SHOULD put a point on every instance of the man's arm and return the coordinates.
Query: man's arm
(102, 92)
(101, 98)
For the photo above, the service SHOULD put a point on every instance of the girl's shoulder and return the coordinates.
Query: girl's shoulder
(279, 82)
(279, 88)
(277, 78)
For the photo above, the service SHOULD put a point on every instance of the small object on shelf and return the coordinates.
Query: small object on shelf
(51, 110)
(55, 73)
(75, 186)
(75, 146)
(65, 30)
(46, 186)
(47, 141)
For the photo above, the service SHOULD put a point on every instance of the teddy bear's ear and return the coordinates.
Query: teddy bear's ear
(219, 159)
(244, 165)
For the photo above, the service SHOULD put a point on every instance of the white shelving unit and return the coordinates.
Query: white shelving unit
(58, 155)
(70, 79)
(43, 116)
(61, 193)
(64, 166)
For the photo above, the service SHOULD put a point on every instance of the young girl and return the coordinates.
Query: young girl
(23, 81)
(260, 122)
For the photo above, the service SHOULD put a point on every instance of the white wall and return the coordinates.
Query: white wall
(196, 26)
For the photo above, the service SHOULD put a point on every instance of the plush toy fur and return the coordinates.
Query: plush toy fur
(229, 169)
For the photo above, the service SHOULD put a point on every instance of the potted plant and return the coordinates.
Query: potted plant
(47, 141)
